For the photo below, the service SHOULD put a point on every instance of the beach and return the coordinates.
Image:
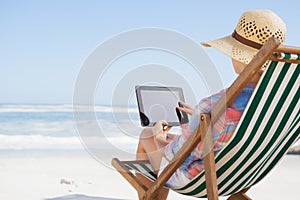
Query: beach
(76, 175)
(42, 157)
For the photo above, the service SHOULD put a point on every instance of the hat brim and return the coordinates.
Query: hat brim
(233, 48)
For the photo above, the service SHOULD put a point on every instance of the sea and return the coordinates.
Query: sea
(41, 127)
(33, 127)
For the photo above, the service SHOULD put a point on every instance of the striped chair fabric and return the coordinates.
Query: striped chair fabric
(268, 127)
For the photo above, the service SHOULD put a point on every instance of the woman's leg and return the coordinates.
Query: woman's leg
(147, 150)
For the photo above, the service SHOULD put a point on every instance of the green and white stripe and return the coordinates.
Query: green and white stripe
(289, 56)
(269, 126)
(144, 168)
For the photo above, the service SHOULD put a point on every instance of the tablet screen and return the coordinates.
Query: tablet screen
(158, 103)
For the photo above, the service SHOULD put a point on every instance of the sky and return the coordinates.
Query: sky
(44, 44)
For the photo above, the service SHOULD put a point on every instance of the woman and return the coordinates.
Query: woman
(157, 145)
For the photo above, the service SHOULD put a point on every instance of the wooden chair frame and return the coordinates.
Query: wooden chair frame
(145, 193)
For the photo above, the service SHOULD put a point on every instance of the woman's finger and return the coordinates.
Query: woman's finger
(185, 105)
(186, 110)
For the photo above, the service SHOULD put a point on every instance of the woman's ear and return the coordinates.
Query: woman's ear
(238, 66)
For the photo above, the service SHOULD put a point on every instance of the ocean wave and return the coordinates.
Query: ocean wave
(57, 126)
(11, 108)
(39, 142)
(22, 142)
(19, 126)
(53, 127)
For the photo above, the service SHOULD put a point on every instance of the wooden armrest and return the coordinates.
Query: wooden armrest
(178, 159)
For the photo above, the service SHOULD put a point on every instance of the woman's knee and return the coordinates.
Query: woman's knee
(146, 133)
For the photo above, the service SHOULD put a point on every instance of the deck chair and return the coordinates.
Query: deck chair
(268, 127)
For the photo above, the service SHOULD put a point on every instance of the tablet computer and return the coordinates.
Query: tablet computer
(159, 103)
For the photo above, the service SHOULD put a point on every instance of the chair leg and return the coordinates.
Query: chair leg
(140, 187)
(240, 195)
(209, 159)
(139, 182)
(162, 193)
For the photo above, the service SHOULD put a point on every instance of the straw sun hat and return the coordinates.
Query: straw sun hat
(252, 31)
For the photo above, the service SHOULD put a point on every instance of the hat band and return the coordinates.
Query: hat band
(245, 41)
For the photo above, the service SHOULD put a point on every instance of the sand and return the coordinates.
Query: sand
(77, 176)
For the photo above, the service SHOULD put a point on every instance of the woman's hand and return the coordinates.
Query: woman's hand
(186, 108)
(160, 133)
